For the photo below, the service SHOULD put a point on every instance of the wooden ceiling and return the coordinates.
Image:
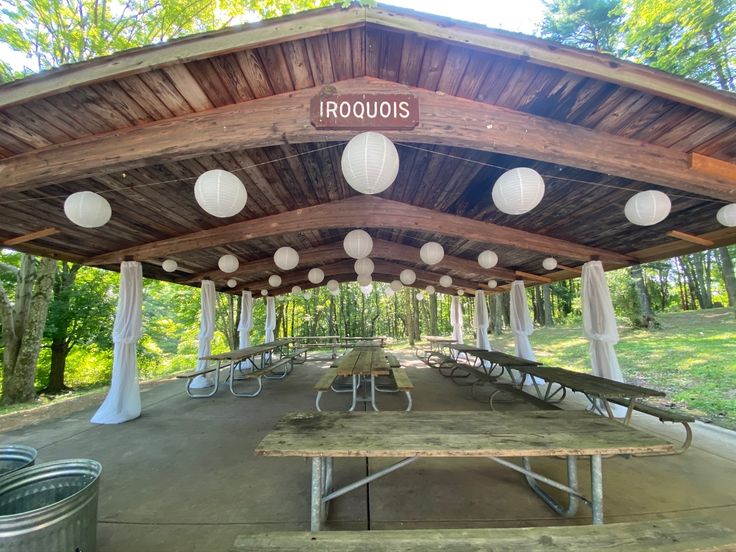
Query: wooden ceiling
(139, 127)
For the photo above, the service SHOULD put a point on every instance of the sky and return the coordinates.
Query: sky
(512, 15)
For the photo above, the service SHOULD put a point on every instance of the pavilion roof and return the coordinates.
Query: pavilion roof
(140, 126)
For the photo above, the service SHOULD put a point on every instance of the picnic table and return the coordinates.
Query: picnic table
(243, 361)
(323, 436)
(363, 363)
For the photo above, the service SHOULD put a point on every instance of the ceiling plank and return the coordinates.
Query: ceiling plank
(367, 212)
(32, 236)
(445, 120)
(721, 237)
(690, 238)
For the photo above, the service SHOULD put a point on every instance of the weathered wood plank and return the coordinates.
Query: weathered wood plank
(32, 236)
(448, 434)
(369, 212)
(446, 120)
(662, 535)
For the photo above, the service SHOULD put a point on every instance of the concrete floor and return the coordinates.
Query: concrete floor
(183, 477)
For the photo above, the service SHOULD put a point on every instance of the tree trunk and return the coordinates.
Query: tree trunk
(646, 315)
(549, 320)
(409, 318)
(415, 308)
(498, 313)
(506, 310)
(728, 274)
(59, 352)
(433, 314)
(23, 325)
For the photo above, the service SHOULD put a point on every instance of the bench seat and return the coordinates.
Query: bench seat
(403, 383)
(664, 415)
(667, 535)
(325, 382)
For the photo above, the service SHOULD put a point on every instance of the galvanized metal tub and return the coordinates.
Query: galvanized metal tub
(50, 507)
(16, 457)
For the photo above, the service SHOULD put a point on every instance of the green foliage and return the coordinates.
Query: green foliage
(588, 24)
(692, 38)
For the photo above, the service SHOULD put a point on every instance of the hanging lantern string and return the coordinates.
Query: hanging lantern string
(552, 176)
(339, 144)
(176, 180)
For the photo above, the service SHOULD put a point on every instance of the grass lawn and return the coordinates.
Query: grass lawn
(692, 358)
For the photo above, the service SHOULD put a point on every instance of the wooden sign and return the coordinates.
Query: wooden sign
(365, 111)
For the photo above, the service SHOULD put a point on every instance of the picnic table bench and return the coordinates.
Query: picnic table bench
(232, 360)
(497, 436)
(663, 535)
(361, 363)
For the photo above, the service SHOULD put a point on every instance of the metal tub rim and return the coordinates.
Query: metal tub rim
(22, 522)
(24, 455)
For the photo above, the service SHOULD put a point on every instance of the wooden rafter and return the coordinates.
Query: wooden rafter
(381, 250)
(368, 212)
(690, 238)
(445, 120)
(31, 236)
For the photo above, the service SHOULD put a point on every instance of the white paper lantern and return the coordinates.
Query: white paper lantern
(220, 193)
(316, 275)
(364, 279)
(228, 263)
(461, 292)
(370, 163)
(518, 191)
(390, 292)
(429, 290)
(396, 285)
(307, 295)
(420, 296)
(446, 281)
(492, 284)
(487, 259)
(550, 263)
(364, 266)
(231, 283)
(264, 292)
(431, 253)
(648, 208)
(169, 265)
(358, 244)
(407, 276)
(335, 291)
(296, 290)
(87, 209)
(333, 285)
(286, 258)
(726, 215)
(274, 280)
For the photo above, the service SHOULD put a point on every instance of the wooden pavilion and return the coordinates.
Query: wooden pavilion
(140, 126)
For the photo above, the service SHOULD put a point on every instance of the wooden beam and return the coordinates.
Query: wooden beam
(690, 238)
(32, 236)
(721, 237)
(445, 120)
(533, 277)
(575, 269)
(381, 250)
(201, 46)
(712, 166)
(368, 212)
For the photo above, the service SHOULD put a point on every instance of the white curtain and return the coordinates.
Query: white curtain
(456, 319)
(206, 331)
(521, 324)
(246, 319)
(480, 322)
(599, 322)
(270, 318)
(123, 401)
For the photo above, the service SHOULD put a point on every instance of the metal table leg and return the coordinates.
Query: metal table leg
(596, 488)
(316, 506)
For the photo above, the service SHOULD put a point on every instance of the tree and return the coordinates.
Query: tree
(588, 24)
(54, 32)
(81, 312)
(691, 38)
(23, 321)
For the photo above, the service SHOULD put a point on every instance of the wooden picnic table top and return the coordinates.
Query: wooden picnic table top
(315, 338)
(368, 360)
(597, 386)
(504, 359)
(454, 434)
(464, 348)
(240, 354)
